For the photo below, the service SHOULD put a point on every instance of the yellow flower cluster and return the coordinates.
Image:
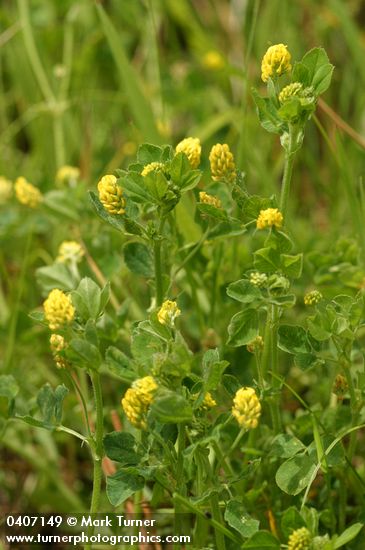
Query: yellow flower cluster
(258, 279)
(256, 345)
(209, 402)
(137, 399)
(111, 195)
(26, 193)
(222, 163)
(290, 91)
(209, 199)
(152, 167)
(58, 309)
(269, 218)
(246, 408)
(300, 539)
(68, 174)
(275, 62)
(6, 190)
(168, 313)
(192, 149)
(70, 251)
(312, 298)
(58, 344)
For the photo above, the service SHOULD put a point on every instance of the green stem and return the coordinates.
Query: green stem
(180, 482)
(98, 450)
(216, 514)
(158, 263)
(354, 413)
(288, 171)
(270, 358)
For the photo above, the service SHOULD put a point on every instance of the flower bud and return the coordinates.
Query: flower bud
(209, 199)
(269, 218)
(111, 195)
(222, 163)
(26, 193)
(58, 309)
(192, 149)
(168, 313)
(246, 408)
(137, 400)
(275, 62)
(300, 539)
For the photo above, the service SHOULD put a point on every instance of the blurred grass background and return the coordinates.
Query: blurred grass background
(84, 86)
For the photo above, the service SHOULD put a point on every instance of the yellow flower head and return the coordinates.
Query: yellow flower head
(269, 218)
(26, 193)
(168, 313)
(213, 60)
(275, 62)
(208, 402)
(246, 408)
(300, 539)
(258, 279)
(6, 190)
(111, 195)
(68, 174)
(290, 91)
(70, 251)
(137, 400)
(192, 149)
(153, 167)
(209, 199)
(312, 298)
(58, 344)
(222, 163)
(58, 309)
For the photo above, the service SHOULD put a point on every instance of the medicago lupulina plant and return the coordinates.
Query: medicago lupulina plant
(250, 472)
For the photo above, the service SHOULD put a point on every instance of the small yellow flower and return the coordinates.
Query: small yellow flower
(111, 195)
(70, 251)
(222, 163)
(300, 539)
(137, 400)
(275, 62)
(58, 309)
(209, 402)
(6, 190)
(152, 167)
(213, 60)
(168, 313)
(256, 345)
(192, 149)
(58, 344)
(258, 279)
(312, 298)
(269, 217)
(209, 199)
(246, 408)
(290, 91)
(26, 193)
(68, 174)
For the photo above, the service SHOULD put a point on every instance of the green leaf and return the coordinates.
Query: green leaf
(138, 259)
(293, 339)
(283, 301)
(181, 173)
(82, 351)
(121, 486)
(307, 361)
(286, 446)
(348, 535)
(319, 69)
(291, 265)
(118, 364)
(295, 473)
(290, 521)
(86, 298)
(8, 386)
(262, 540)
(147, 153)
(213, 369)
(57, 275)
(243, 291)
(60, 394)
(243, 327)
(237, 517)
(208, 210)
(140, 106)
(134, 185)
(121, 447)
(171, 408)
(267, 114)
(266, 260)
(50, 404)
